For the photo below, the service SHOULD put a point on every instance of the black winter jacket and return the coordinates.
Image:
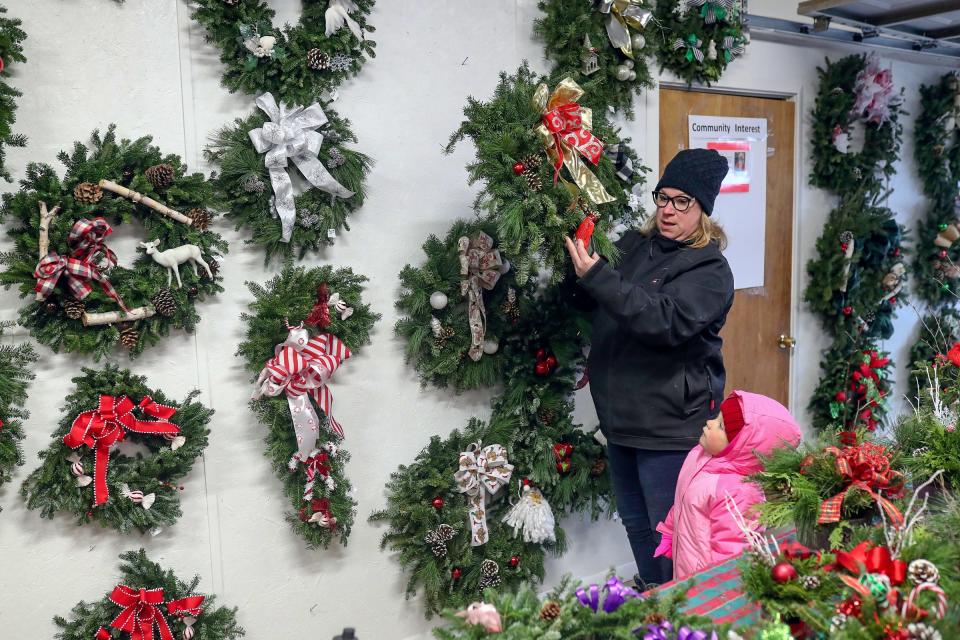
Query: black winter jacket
(656, 372)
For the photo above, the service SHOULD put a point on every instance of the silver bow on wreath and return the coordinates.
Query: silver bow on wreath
(291, 136)
(624, 14)
(482, 470)
(480, 268)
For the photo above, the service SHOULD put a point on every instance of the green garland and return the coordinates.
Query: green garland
(285, 70)
(533, 214)
(693, 46)
(143, 283)
(609, 76)
(138, 571)
(16, 372)
(11, 50)
(244, 185)
(290, 296)
(53, 486)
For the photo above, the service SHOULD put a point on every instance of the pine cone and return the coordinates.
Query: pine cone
(445, 334)
(550, 610)
(492, 581)
(921, 631)
(654, 618)
(599, 466)
(87, 193)
(232, 3)
(253, 184)
(164, 302)
(318, 60)
(201, 218)
(74, 309)
(160, 175)
(546, 415)
(921, 570)
(810, 582)
(533, 179)
(532, 161)
(129, 337)
(489, 568)
(214, 267)
(439, 550)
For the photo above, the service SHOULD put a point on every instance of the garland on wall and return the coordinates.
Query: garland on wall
(148, 599)
(602, 46)
(81, 299)
(294, 364)
(698, 39)
(256, 155)
(11, 51)
(87, 473)
(16, 372)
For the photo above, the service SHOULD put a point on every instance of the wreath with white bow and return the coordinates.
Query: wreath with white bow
(300, 63)
(302, 326)
(90, 470)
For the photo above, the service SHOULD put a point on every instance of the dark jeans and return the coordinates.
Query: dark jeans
(644, 482)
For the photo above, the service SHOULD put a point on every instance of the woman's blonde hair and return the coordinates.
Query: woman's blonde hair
(706, 232)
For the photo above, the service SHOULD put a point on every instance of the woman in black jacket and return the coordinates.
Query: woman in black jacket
(656, 372)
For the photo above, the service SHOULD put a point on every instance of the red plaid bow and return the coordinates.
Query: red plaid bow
(100, 428)
(867, 467)
(140, 612)
(88, 238)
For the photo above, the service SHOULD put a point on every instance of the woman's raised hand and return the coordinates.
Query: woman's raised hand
(582, 259)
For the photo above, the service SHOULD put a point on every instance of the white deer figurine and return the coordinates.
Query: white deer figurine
(173, 258)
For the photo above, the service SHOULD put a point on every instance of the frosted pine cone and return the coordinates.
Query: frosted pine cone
(921, 570)
(810, 582)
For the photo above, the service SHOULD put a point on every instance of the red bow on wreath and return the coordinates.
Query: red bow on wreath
(140, 613)
(100, 428)
(867, 467)
(189, 606)
(864, 558)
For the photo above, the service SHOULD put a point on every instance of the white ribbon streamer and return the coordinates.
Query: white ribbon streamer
(482, 470)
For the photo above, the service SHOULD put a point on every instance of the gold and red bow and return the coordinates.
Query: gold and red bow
(866, 467)
(140, 613)
(100, 428)
(565, 132)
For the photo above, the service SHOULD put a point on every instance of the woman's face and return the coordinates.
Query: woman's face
(678, 225)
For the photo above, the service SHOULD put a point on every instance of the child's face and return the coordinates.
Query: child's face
(714, 438)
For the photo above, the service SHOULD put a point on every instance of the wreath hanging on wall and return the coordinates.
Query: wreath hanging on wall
(294, 364)
(602, 46)
(256, 156)
(82, 299)
(16, 372)
(697, 39)
(149, 599)
(87, 473)
(11, 51)
(299, 63)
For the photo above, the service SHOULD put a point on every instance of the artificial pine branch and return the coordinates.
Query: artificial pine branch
(16, 372)
(11, 50)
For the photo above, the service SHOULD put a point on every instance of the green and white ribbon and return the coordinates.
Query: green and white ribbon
(692, 44)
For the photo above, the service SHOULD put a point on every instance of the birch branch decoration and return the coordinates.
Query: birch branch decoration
(146, 201)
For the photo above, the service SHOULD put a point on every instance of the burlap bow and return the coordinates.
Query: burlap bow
(623, 15)
(290, 136)
(482, 471)
(565, 132)
(480, 268)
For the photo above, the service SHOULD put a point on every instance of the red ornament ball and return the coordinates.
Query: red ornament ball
(942, 253)
(437, 503)
(893, 301)
(456, 573)
(843, 246)
(847, 310)
(841, 396)
(784, 572)
(895, 252)
(542, 368)
(541, 354)
(551, 361)
(519, 168)
(514, 561)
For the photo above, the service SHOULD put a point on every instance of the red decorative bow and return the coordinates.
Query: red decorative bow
(189, 606)
(88, 238)
(864, 558)
(317, 464)
(320, 314)
(78, 274)
(140, 612)
(565, 123)
(100, 428)
(953, 355)
(867, 467)
(794, 550)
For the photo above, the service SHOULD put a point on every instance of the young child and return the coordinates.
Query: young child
(698, 530)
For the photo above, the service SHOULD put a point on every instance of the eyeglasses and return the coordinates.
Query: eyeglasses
(680, 202)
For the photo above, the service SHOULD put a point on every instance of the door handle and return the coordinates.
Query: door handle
(786, 342)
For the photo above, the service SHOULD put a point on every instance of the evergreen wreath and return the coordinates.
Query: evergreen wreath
(244, 185)
(83, 465)
(532, 211)
(577, 41)
(322, 507)
(697, 39)
(91, 189)
(11, 50)
(16, 372)
(299, 63)
(175, 608)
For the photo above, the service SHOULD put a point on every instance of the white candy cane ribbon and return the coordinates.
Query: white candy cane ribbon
(480, 268)
(482, 470)
(290, 136)
(301, 371)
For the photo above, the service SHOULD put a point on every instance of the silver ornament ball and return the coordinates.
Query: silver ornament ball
(633, 76)
(490, 347)
(623, 73)
(637, 41)
(438, 300)
(628, 63)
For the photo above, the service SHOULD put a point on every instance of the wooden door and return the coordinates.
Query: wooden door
(751, 350)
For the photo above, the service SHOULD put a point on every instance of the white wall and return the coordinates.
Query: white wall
(144, 66)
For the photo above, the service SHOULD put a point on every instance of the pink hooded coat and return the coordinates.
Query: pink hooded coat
(702, 530)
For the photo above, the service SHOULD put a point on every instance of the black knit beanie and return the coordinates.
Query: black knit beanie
(696, 172)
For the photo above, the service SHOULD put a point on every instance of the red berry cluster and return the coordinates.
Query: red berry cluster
(546, 363)
(869, 369)
(562, 452)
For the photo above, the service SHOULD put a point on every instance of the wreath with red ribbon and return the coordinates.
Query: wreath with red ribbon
(86, 471)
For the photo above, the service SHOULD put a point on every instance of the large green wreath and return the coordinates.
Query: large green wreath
(16, 371)
(66, 479)
(11, 50)
(87, 619)
(575, 34)
(62, 322)
(289, 298)
(244, 185)
(301, 63)
(697, 39)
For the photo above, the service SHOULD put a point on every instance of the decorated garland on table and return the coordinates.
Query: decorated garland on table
(82, 300)
(11, 50)
(16, 371)
(299, 64)
(148, 600)
(86, 471)
(601, 45)
(255, 156)
(697, 39)
(294, 364)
